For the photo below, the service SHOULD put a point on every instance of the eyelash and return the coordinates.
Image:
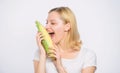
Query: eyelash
(53, 23)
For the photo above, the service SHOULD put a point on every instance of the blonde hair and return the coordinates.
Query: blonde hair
(73, 38)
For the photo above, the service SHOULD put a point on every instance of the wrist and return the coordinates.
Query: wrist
(42, 58)
(61, 69)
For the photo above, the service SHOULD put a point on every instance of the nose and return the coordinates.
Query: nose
(47, 26)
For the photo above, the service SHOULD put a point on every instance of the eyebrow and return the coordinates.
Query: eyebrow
(50, 20)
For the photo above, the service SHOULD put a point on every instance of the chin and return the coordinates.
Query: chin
(55, 42)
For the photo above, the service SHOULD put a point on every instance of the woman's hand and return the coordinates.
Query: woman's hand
(55, 52)
(40, 66)
(39, 38)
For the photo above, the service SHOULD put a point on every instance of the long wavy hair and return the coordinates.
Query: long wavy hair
(73, 38)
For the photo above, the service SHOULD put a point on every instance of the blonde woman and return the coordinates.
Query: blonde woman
(71, 56)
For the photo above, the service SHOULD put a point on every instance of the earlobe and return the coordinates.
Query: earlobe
(67, 27)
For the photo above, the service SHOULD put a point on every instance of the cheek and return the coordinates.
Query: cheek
(59, 35)
(59, 31)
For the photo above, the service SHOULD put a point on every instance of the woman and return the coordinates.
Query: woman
(71, 56)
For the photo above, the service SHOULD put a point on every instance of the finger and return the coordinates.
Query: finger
(39, 38)
(38, 32)
(52, 51)
(55, 50)
(39, 35)
(55, 46)
(52, 55)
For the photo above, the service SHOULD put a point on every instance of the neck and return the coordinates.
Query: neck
(62, 43)
(63, 48)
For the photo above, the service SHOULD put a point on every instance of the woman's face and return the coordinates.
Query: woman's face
(55, 27)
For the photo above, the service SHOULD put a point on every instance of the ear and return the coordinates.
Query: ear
(67, 27)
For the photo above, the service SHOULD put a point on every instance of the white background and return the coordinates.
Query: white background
(98, 24)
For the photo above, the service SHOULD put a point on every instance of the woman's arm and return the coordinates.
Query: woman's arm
(89, 69)
(60, 69)
(55, 52)
(39, 66)
(35, 66)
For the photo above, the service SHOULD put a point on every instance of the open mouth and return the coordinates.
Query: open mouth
(51, 34)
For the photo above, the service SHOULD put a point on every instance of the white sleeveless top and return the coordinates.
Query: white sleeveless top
(84, 59)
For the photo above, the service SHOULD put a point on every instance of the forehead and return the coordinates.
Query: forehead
(53, 15)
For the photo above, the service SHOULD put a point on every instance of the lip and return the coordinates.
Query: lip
(52, 34)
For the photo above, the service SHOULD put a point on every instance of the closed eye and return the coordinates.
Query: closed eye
(53, 23)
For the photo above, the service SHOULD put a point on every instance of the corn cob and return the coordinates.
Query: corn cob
(46, 42)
